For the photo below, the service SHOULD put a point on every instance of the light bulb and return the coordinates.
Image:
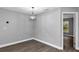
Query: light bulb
(32, 17)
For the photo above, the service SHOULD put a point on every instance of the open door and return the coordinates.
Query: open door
(68, 33)
(70, 30)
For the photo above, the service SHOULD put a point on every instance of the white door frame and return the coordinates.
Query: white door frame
(75, 28)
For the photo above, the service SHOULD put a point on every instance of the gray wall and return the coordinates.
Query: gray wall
(48, 27)
(78, 29)
(19, 28)
(68, 16)
(69, 9)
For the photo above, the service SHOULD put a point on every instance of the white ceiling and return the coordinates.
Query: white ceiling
(28, 10)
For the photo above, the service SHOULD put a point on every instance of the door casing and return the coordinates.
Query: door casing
(75, 28)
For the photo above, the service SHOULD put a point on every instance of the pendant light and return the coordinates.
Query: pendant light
(32, 16)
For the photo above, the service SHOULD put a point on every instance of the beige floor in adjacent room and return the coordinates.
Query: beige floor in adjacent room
(34, 46)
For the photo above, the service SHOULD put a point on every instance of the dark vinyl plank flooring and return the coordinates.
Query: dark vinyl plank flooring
(33, 46)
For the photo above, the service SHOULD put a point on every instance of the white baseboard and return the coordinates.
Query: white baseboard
(48, 43)
(76, 48)
(5, 45)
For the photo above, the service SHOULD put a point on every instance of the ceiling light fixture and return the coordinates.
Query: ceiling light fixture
(33, 16)
(34, 10)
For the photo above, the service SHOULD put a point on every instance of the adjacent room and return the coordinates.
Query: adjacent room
(39, 29)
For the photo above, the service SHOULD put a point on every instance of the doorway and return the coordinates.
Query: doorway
(70, 27)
